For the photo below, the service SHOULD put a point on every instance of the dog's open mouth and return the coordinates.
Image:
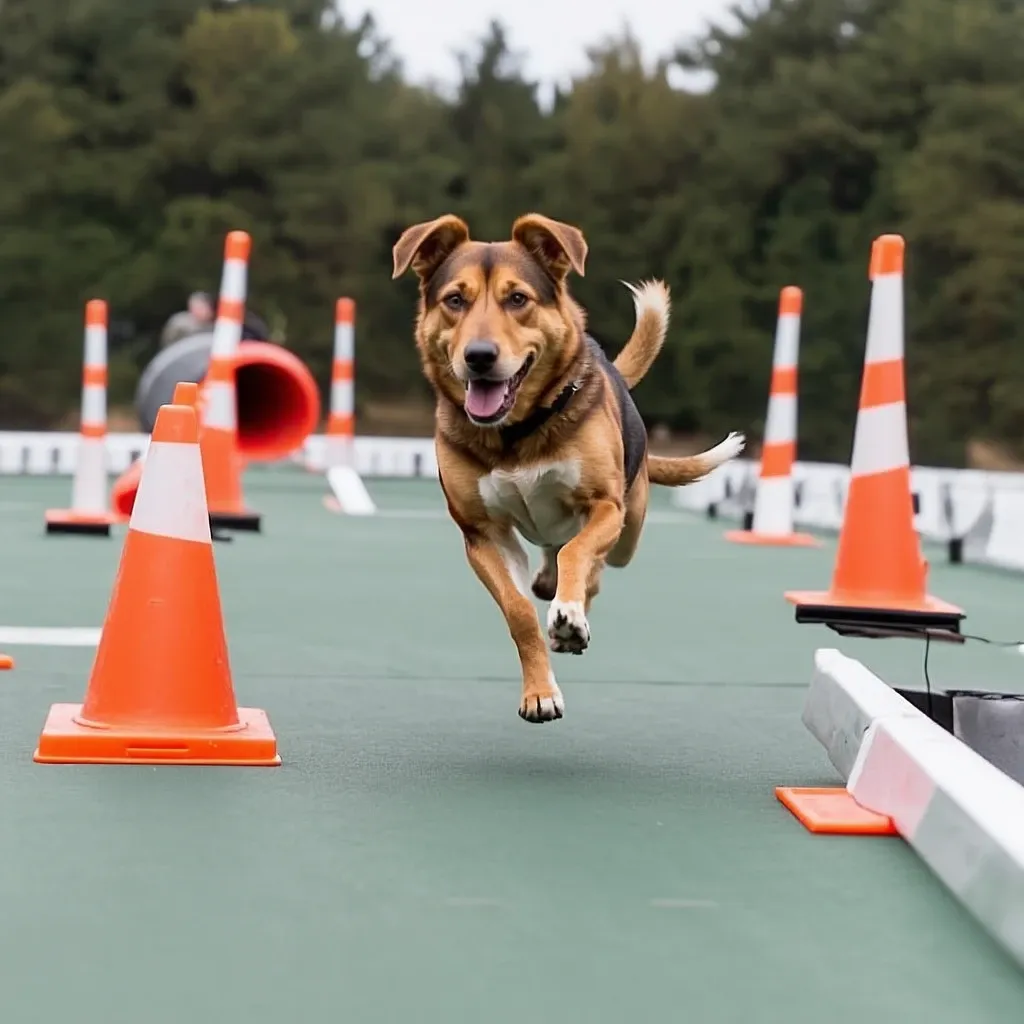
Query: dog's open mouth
(488, 401)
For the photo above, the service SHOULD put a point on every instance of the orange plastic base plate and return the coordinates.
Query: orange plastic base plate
(832, 811)
(784, 540)
(65, 741)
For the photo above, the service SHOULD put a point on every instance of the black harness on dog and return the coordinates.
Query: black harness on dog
(516, 432)
(634, 433)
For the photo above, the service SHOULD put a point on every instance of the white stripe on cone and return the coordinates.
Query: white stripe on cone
(342, 398)
(89, 484)
(773, 506)
(234, 280)
(171, 500)
(885, 319)
(773, 500)
(880, 440)
(219, 407)
(95, 345)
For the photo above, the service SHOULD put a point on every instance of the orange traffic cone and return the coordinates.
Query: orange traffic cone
(218, 404)
(186, 393)
(878, 583)
(772, 522)
(6, 662)
(90, 511)
(160, 691)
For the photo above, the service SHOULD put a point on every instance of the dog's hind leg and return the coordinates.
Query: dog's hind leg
(636, 513)
(545, 581)
(500, 563)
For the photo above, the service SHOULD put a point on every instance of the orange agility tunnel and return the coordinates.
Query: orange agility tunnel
(277, 401)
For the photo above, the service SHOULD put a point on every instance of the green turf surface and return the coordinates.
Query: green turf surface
(422, 854)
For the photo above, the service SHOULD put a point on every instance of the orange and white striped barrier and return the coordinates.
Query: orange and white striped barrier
(90, 509)
(773, 502)
(160, 690)
(218, 403)
(340, 433)
(348, 492)
(879, 578)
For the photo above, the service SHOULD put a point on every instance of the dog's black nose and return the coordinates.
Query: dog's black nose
(481, 356)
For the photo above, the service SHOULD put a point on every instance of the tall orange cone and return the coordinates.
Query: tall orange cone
(90, 509)
(218, 402)
(879, 578)
(773, 503)
(160, 691)
(348, 492)
(339, 438)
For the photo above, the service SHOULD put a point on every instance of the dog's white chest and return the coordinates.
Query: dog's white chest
(538, 499)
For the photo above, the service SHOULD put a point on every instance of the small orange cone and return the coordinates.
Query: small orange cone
(126, 486)
(772, 522)
(6, 662)
(878, 583)
(186, 393)
(160, 691)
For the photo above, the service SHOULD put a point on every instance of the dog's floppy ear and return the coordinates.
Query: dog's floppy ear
(560, 247)
(424, 247)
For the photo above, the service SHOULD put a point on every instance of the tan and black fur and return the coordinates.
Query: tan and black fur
(553, 467)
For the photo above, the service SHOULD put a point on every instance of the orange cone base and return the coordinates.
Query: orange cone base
(6, 662)
(833, 812)
(784, 540)
(66, 520)
(874, 615)
(64, 741)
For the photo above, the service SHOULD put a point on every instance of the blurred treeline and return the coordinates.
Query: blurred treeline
(133, 135)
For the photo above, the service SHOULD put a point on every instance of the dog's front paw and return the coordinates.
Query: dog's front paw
(542, 705)
(568, 629)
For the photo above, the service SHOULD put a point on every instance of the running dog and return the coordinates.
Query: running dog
(536, 431)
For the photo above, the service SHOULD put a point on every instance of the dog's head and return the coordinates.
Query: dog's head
(496, 324)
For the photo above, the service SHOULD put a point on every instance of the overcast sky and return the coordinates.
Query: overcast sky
(552, 35)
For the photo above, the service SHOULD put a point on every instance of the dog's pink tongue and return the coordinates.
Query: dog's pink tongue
(484, 397)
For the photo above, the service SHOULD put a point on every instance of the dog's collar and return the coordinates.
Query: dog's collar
(516, 432)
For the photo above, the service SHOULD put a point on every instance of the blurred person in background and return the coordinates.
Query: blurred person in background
(199, 316)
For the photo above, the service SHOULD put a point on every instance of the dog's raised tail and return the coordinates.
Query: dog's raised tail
(653, 305)
(678, 471)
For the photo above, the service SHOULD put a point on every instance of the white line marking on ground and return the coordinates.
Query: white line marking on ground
(45, 636)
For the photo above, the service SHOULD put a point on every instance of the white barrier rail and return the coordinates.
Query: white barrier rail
(54, 453)
(962, 815)
(978, 515)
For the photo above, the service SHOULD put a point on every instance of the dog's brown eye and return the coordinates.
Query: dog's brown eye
(454, 302)
(518, 299)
